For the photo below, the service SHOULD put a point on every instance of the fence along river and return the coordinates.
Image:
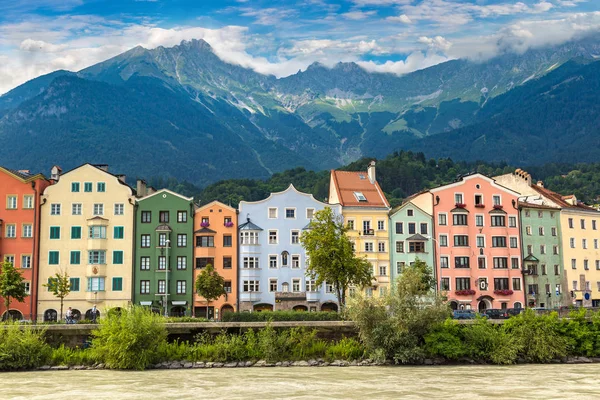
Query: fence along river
(558, 381)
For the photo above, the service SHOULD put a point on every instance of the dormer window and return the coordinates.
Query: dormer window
(361, 176)
(360, 196)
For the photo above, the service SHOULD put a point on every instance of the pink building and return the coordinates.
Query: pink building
(477, 244)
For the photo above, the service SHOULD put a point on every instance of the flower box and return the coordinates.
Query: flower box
(461, 205)
(205, 224)
(498, 207)
(467, 292)
(504, 292)
(480, 205)
(228, 224)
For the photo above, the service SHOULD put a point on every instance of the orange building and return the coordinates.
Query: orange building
(19, 232)
(216, 243)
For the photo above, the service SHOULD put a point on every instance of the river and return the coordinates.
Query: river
(445, 382)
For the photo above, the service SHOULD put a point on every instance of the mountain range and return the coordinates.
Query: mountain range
(183, 112)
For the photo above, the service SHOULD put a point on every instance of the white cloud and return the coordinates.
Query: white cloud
(41, 46)
(400, 18)
(415, 61)
(436, 43)
(358, 15)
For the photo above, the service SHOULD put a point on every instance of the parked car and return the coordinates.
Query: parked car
(496, 314)
(464, 314)
(514, 311)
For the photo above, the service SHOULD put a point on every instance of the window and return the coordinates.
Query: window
(586, 265)
(368, 246)
(311, 285)
(162, 263)
(543, 268)
(381, 225)
(461, 262)
(55, 232)
(542, 249)
(101, 187)
(202, 262)
(27, 231)
(295, 261)
(98, 209)
(459, 219)
(75, 258)
(541, 231)
(296, 285)
(310, 213)
(181, 287)
(205, 221)
(444, 262)
(74, 187)
(290, 213)
(28, 202)
(10, 259)
(25, 261)
(553, 231)
(163, 217)
(227, 241)
(555, 249)
(399, 247)
(54, 209)
(571, 223)
(500, 263)
(556, 269)
(458, 198)
(53, 257)
(582, 222)
(400, 266)
(272, 212)
(328, 288)
(145, 242)
(11, 202)
(227, 286)
(381, 247)
(249, 237)
(594, 224)
(497, 200)
(410, 213)
(516, 284)
(182, 262)
(97, 232)
(382, 270)
(463, 283)
(478, 199)
(528, 231)
(145, 263)
(96, 284)
(532, 289)
(144, 287)
(162, 286)
(461, 240)
(573, 263)
(272, 285)
(480, 241)
(118, 232)
(540, 214)
(498, 220)
(416, 247)
(350, 224)
(205, 241)
(181, 216)
(117, 257)
(412, 228)
(251, 262)
(360, 197)
(11, 231)
(251, 286)
(597, 264)
(117, 284)
(595, 243)
(87, 187)
(512, 222)
(182, 240)
(442, 219)
(273, 261)
(572, 242)
(273, 237)
(481, 263)
(501, 284)
(479, 220)
(295, 237)
(445, 284)
(399, 228)
(227, 263)
(424, 229)
(146, 217)
(574, 285)
(97, 257)
(443, 241)
(74, 284)
(119, 209)
(584, 243)
(498, 241)
(514, 242)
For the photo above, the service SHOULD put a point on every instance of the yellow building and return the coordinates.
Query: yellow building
(87, 219)
(365, 210)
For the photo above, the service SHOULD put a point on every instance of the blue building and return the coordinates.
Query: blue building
(272, 262)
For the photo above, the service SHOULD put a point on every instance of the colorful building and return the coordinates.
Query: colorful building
(365, 210)
(272, 263)
(478, 253)
(87, 220)
(162, 268)
(216, 243)
(20, 194)
(411, 230)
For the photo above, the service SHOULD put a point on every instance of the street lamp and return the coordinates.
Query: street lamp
(168, 243)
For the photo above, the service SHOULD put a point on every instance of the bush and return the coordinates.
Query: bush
(22, 348)
(447, 341)
(280, 316)
(72, 356)
(346, 349)
(132, 339)
(489, 342)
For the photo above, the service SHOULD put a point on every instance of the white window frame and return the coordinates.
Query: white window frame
(76, 207)
(98, 209)
(276, 236)
(295, 260)
(290, 209)
(482, 216)
(269, 212)
(312, 210)
(55, 208)
(292, 236)
(273, 257)
(119, 209)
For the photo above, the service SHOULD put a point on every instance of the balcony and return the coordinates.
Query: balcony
(95, 270)
(250, 296)
(95, 297)
(290, 296)
(368, 232)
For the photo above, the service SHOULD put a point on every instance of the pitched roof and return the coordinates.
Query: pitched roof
(205, 230)
(560, 200)
(417, 236)
(347, 183)
(249, 226)
(22, 175)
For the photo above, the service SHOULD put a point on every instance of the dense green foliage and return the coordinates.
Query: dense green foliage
(60, 286)
(12, 285)
(210, 285)
(22, 348)
(280, 316)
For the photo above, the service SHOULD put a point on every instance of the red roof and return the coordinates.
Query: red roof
(560, 200)
(347, 183)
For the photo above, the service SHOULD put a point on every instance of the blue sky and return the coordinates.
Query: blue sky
(282, 37)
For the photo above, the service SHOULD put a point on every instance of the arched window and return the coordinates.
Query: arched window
(285, 287)
(518, 305)
(284, 258)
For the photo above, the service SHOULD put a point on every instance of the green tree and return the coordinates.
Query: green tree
(332, 258)
(12, 285)
(60, 286)
(210, 285)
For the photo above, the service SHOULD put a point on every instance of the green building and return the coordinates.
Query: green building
(410, 235)
(544, 277)
(163, 263)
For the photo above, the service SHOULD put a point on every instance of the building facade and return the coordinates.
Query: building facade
(272, 261)
(366, 213)
(86, 230)
(20, 194)
(411, 230)
(216, 243)
(163, 265)
(478, 260)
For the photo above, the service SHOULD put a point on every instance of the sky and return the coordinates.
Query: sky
(285, 36)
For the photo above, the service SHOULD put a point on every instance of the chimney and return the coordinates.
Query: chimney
(141, 188)
(151, 190)
(122, 178)
(55, 173)
(371, 171)
(523, 175)
(103, 167)
(540, 184)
